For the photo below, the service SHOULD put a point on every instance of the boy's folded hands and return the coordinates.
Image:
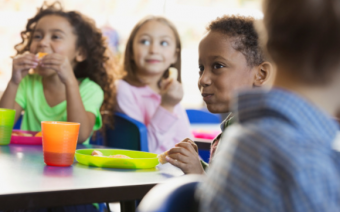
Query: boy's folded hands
(193, 144)
(185, 156)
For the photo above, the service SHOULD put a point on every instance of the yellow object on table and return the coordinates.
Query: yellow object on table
(137, 160)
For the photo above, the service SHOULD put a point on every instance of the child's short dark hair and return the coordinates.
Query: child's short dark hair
(242, 30)
(304, 36)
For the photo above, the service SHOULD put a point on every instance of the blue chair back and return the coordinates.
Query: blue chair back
(127, 133)
(177, 194)
(17, 125)
(203, 117)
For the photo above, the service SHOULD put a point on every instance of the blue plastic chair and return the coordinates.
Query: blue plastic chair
(127, 133)
(203, 117)
(17, 125)
(177, 194)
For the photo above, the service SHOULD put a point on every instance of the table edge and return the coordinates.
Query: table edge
(35, 200)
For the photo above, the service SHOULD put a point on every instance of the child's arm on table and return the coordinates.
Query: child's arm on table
(21, 65)
(75, 108)
(76, 112)
(185, 156)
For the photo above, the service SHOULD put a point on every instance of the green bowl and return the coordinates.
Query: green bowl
(137, 160)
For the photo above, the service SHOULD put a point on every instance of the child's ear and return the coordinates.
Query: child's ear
(80, 55)
(264, 74)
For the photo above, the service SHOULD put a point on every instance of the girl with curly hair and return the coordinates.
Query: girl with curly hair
(70, 78)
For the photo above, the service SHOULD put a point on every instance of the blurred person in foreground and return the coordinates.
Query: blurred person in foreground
(278, 156)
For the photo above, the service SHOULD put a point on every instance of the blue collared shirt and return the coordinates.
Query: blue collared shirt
(277, 156)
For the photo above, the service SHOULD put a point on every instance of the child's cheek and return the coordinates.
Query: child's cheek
(32, 49)
(138, 57)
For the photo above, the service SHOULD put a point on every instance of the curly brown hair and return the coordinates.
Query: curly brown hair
(129, 65)
(242, 30)
(98, 65)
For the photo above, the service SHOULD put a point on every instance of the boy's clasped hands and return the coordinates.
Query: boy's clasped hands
(185, 156)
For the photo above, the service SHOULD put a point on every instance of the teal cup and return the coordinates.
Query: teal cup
(7, 117)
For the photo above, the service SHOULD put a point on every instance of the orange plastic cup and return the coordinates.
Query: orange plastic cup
(59, 141)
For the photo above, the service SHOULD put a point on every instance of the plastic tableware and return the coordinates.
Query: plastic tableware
(27, 140)
(7, 117)
(59, 141)
(205, 134)
(137, 160)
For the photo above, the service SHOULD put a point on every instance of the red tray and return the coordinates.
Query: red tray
(15, 139)
(205, 134)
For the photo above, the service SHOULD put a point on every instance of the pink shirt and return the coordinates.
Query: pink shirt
(165, 129)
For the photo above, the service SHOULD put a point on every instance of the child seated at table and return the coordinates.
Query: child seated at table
(279, 154)
(146, 94)
(229, 60)
(67, 52)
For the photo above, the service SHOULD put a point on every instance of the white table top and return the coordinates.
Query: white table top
(23, 173)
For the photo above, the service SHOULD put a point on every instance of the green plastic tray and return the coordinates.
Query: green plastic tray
(138, 160)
